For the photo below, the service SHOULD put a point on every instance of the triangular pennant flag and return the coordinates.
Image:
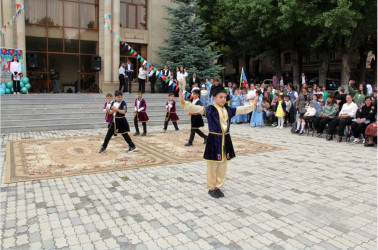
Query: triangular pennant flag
(154, 70)
(174, 85)
(167, 80)
(17, 6)
(5, 27)
(111, 30)
(163, 78)
(148, 65)
(144, 62)
(108, 27)
(8, 23)
(151, 67)
(135, 53)
(128, 46)
(119, 39)
(141, 59)
(125, 44)
(138, 56)
(114, 33)
(122, 42)
(187, 94)
(105, 25)
(160, 74)
(110, 16)
(181, 89)
(191, 97)
(105, 16)
(177, 87)
(16, 14)
(131, 51)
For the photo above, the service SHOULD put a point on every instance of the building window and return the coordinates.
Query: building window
(133, 14)
(287, 58)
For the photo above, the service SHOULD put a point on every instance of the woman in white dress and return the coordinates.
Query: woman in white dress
(181, 77)
(15, 69)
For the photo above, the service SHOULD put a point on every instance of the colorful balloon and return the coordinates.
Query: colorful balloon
(11, 51)
(4, 51)
(8, 52)
(20, 52)
(9, 85)
(28, 86)
(24, 79)
(8, 91)
(2, 91)
(22, 84)
(16, 53)
(24, 90)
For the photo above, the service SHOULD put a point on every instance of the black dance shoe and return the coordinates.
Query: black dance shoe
(189, 144)
(214, 194)
(221, 194)
(102, 150)
(136, 133)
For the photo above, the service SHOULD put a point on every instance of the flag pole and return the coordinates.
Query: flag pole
(241, 78)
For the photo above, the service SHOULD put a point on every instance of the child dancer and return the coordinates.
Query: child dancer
(171, 113)
(119, 123)
(204, 95)
(219, 147)
(279, 111)
(140, 114)
(196, 120)
(108, 104)
(257, 115)
(236, 101)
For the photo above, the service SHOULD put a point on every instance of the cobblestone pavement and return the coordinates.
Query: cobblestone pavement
(315, 195)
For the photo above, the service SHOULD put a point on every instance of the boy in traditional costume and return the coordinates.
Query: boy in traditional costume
(140, 114)
(219, 147)
(196, 119)
(119, 124)
(171, 113)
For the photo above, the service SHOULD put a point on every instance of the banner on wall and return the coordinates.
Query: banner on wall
(6, 55)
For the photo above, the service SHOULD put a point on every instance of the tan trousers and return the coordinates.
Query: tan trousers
(216, 174)
(182, 84)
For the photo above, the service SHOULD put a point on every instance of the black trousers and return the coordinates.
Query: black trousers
(122, 83)
(142, 85)
(16, 86)
(320, 123)
(153, 86)
(193, 132)
(111, 133)
(129, 80)
(174, 124)
(358, 129)
(164, 87)
(339, 124)
(144, 124)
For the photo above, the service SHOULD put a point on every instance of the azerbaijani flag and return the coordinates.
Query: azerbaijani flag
(243, 78)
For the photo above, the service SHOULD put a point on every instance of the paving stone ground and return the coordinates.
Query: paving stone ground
(314, 195)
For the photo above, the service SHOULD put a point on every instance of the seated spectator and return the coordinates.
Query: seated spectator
(365, 115)
(328, 113)
(358, 95)
(340, 98)
(346, 115)
(325, 92)
(267, 111)
(306, 117)
(289, 109)
(371, 134)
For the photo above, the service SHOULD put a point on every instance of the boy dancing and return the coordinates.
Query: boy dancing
(171, 113)
(140, 114)
(219, 147)
(196, 120)
(119, 124)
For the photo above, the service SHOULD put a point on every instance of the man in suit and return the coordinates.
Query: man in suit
(164, 85)
(194, 79)
(129, 68)
(303, 79)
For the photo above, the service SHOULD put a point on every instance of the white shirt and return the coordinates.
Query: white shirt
(251, 93)
(311, 111)
(303, 79)
(169, 105)
(142, 73)
(204, 92)
(195, 101)
(137, 107)
(15, 67)
(116, 104)
(121, 70)
(151, 73)
(369, 89)
(181, 77)
(108, 106)
(129, 67)
(281, 82)
(350, 109)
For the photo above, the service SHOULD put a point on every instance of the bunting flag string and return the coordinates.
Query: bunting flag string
(144, 61)
(19, 8)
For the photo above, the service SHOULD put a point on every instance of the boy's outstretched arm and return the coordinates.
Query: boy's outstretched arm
(246, 109)
(194, 109)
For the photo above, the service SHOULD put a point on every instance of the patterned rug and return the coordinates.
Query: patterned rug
(29, 160)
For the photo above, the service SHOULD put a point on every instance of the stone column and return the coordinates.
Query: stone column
(107, 60)
(20, 24)
(8, 12)
(115, 46)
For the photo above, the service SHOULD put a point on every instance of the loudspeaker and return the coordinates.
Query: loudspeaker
(32, 60)
(95, 63)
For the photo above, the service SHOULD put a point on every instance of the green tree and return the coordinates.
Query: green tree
(185, 43)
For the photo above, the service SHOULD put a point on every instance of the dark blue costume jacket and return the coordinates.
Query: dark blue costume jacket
(120, 122)
(215, 140)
